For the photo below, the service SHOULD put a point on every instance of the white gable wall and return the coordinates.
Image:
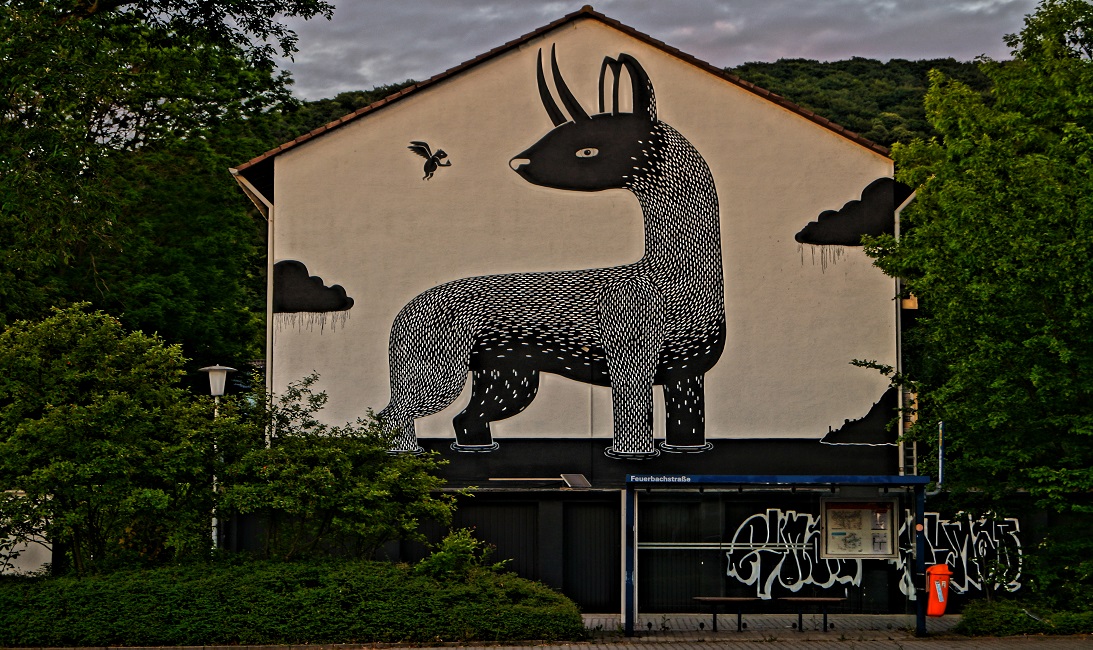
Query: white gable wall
(353, 207)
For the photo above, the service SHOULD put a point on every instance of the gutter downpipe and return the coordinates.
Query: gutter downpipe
(940, 460)
(265, 206)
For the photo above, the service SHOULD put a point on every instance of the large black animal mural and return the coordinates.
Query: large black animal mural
(657, 321)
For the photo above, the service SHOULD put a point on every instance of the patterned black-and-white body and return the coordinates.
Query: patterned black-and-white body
(660, 320)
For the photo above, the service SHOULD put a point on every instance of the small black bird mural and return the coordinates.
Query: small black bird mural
(432, 160)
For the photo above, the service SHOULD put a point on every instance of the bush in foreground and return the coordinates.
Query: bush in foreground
(281, 603)
(1012, 618)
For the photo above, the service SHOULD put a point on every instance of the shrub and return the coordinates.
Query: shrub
(327, 490)
(1071, 623)
(269, 602)
(998, 618)
(102, 452)
(457, 556)
(1011, 618)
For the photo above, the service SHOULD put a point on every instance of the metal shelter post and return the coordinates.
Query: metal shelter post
(630, 551)
(920, 560)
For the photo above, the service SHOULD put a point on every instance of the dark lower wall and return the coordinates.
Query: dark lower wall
(549, 458)
(689, 541)
(759, 543)
(571, 539)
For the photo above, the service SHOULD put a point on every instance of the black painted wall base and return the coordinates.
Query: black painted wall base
(522, 458)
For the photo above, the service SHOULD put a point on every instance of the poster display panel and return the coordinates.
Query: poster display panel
(858, 528)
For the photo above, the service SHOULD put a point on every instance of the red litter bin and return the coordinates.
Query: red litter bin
(937, 583)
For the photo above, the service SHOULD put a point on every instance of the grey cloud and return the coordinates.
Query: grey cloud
(371, 43)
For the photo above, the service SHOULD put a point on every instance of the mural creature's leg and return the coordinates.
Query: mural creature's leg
(685, 403)
(429, 358)
(400, 428)
(632, 322)
(496, 394)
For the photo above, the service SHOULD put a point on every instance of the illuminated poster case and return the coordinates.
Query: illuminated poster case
(859, 528)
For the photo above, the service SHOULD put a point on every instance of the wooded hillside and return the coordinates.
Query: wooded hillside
(880, 101)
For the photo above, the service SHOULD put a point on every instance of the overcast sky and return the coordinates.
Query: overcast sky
(372, 42)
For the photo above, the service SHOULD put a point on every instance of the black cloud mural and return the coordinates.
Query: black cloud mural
(295, 292)
(873, 214)
(870, 429)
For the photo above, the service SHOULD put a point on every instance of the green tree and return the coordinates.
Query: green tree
(101, 453)
(186, 259)
(95, 96)
(294, 119)
(880, 101)
(321, 489)
(998, 247)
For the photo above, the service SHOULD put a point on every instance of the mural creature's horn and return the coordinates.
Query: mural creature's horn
(643, 88)
(616, 70)
(570, 102)
(549, 104)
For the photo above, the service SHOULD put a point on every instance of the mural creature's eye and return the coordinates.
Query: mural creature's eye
(587, 152)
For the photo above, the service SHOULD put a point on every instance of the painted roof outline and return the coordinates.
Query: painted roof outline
(259, 170)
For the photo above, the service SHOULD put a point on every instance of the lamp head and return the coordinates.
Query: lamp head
(218, 377)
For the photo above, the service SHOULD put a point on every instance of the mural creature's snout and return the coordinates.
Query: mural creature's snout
(518, 162)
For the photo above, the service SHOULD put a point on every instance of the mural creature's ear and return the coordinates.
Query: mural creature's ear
(616, 70)
(644, 100)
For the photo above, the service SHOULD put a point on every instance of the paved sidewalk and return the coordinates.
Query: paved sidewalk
(848, 631)
(691, 626)
(764, 632)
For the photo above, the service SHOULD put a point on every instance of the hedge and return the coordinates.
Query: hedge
(1012, 618)
(280, 603)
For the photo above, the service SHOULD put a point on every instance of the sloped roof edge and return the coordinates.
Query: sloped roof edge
(259, 170)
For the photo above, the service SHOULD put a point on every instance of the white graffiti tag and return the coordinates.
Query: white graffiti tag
(783, 548)
(981, 553)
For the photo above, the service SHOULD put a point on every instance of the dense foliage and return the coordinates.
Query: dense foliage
(294, 119)
(998, 247)
(319, 489)
(114, 120)
(1058, 568)
(107, 458)
(880, 101)
(101, 452)
(281, 603)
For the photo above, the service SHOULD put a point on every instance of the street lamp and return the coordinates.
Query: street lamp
(218, 377)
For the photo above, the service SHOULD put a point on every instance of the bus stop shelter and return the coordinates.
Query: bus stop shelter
(635, 483)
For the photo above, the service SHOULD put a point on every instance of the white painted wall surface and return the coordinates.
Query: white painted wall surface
(353, 207)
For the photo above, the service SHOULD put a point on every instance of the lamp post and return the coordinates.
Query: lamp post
(218, 378)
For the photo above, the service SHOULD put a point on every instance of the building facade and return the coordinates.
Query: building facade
(586, 255)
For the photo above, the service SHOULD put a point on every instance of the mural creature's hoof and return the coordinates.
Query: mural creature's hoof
(685, 449)
(630, 455)
(416, 451)
(474, 449)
